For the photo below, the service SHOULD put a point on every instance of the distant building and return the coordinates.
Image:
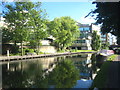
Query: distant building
(84, 41)
(112, 39)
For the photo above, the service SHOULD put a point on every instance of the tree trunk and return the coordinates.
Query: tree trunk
(15, 44)
(37, 47)
(21, 48)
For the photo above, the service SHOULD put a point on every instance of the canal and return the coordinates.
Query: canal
(76, 71)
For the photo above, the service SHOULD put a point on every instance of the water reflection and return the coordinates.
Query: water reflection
(64, 75)
(77, 71)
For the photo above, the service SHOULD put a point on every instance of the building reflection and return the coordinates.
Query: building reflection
(45, 63)
(32, 72)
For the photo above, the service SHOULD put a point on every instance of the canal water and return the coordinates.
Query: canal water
(76, 71)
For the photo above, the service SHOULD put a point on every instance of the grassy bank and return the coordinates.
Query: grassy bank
(84, 50)
(62, 51)
(112, 57)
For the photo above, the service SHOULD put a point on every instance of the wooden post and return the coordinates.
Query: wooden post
(8, 53)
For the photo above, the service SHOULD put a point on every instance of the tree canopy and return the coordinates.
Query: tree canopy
(24, 19)
(96, 43)
(65, 31)
(107, 14)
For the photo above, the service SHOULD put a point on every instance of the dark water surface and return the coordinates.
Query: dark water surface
(77, 71)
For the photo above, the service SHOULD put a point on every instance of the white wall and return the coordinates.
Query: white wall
(96, 28)
(48, 49)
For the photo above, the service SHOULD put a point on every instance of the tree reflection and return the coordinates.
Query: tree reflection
(65, 75)
(27, 76)
(31, 75)
(93, 61)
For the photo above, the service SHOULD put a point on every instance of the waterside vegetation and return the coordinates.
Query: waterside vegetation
(26, 23)
(112, 57)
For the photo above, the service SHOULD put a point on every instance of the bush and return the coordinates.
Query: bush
(28, 50)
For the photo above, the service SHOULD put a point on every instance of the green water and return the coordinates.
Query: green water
(75, 71)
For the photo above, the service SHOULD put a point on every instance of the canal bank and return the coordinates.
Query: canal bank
(13, 58)
(108, 76)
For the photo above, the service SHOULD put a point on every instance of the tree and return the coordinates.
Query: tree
(7, 35)
(96, 43)
(16, 17)
(105, 45)
(118, 40)
(107, 14)
(24, 18)
(39, 28)
(64, 30)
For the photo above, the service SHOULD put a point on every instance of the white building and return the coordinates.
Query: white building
(84, 41)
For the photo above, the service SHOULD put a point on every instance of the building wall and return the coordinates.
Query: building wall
(48, 49)
(84, 41)
(95, 28)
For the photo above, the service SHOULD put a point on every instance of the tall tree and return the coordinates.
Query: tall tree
(96, 43)
(22, 19)
(65, 31)
(17, 17)
(107, 14)
(38, 24)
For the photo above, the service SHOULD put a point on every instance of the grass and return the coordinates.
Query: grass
(112, 57)
(82, 50)
(85, 50)
(74, 50)
(17, 54)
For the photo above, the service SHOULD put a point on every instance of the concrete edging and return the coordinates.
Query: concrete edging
(14, 58)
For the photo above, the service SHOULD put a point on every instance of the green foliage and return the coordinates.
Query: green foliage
(38, 24)
(107, 14)
(105, 45)
(26, 23)
(17, 16)
(74, 50)
(29, 50)
(93, 62)
(64, 30)
(7, 35)
(64, 75)
(112, 57)
(96, 43)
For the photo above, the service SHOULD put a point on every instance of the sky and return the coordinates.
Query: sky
(76, 10)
